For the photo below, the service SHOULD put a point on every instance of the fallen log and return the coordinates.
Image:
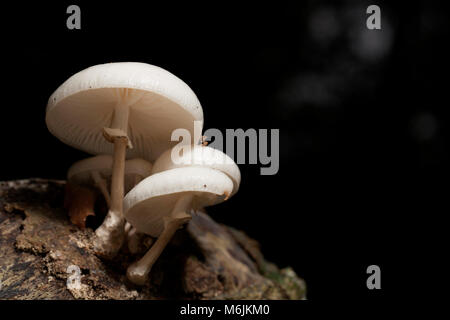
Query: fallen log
(44, 256)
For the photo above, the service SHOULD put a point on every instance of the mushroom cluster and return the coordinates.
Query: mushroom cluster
(125, 114)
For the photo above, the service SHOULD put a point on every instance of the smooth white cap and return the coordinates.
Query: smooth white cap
(154, 198)
(201, 156)
(159, 103)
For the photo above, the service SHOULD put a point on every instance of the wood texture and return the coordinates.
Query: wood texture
(206, 260)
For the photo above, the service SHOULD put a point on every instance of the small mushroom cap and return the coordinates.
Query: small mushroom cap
(159, 102)
(154, 198)
(201, 156)
(80, 171)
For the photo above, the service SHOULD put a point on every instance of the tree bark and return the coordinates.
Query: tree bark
(44, 256)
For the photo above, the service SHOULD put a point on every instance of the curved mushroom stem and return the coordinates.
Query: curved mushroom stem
(101, 184)
(110, 235)
(138, 271)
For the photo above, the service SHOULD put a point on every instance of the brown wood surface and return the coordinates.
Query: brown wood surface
(206, 260)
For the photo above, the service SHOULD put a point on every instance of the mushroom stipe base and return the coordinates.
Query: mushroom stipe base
(138, 271)
(110, 235)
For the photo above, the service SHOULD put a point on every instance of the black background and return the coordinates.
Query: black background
(362, 116)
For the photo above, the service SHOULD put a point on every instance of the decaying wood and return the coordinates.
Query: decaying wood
(39, 248)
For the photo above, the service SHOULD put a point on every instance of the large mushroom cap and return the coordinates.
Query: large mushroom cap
(201, 156)
(80, 171)
(152, 199)
(159, 103)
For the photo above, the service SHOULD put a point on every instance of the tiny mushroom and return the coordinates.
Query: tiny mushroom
(161, 203)
(97, 171)
(106, 108)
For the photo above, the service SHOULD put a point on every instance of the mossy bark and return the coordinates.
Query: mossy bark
(41, 253)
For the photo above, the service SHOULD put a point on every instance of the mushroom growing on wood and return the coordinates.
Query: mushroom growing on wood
(161, 203)
(96, 171)
(106, 108)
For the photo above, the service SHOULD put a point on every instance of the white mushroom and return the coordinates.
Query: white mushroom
(105, 108)
(160, 204)
(200, 156)
(197, 155)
